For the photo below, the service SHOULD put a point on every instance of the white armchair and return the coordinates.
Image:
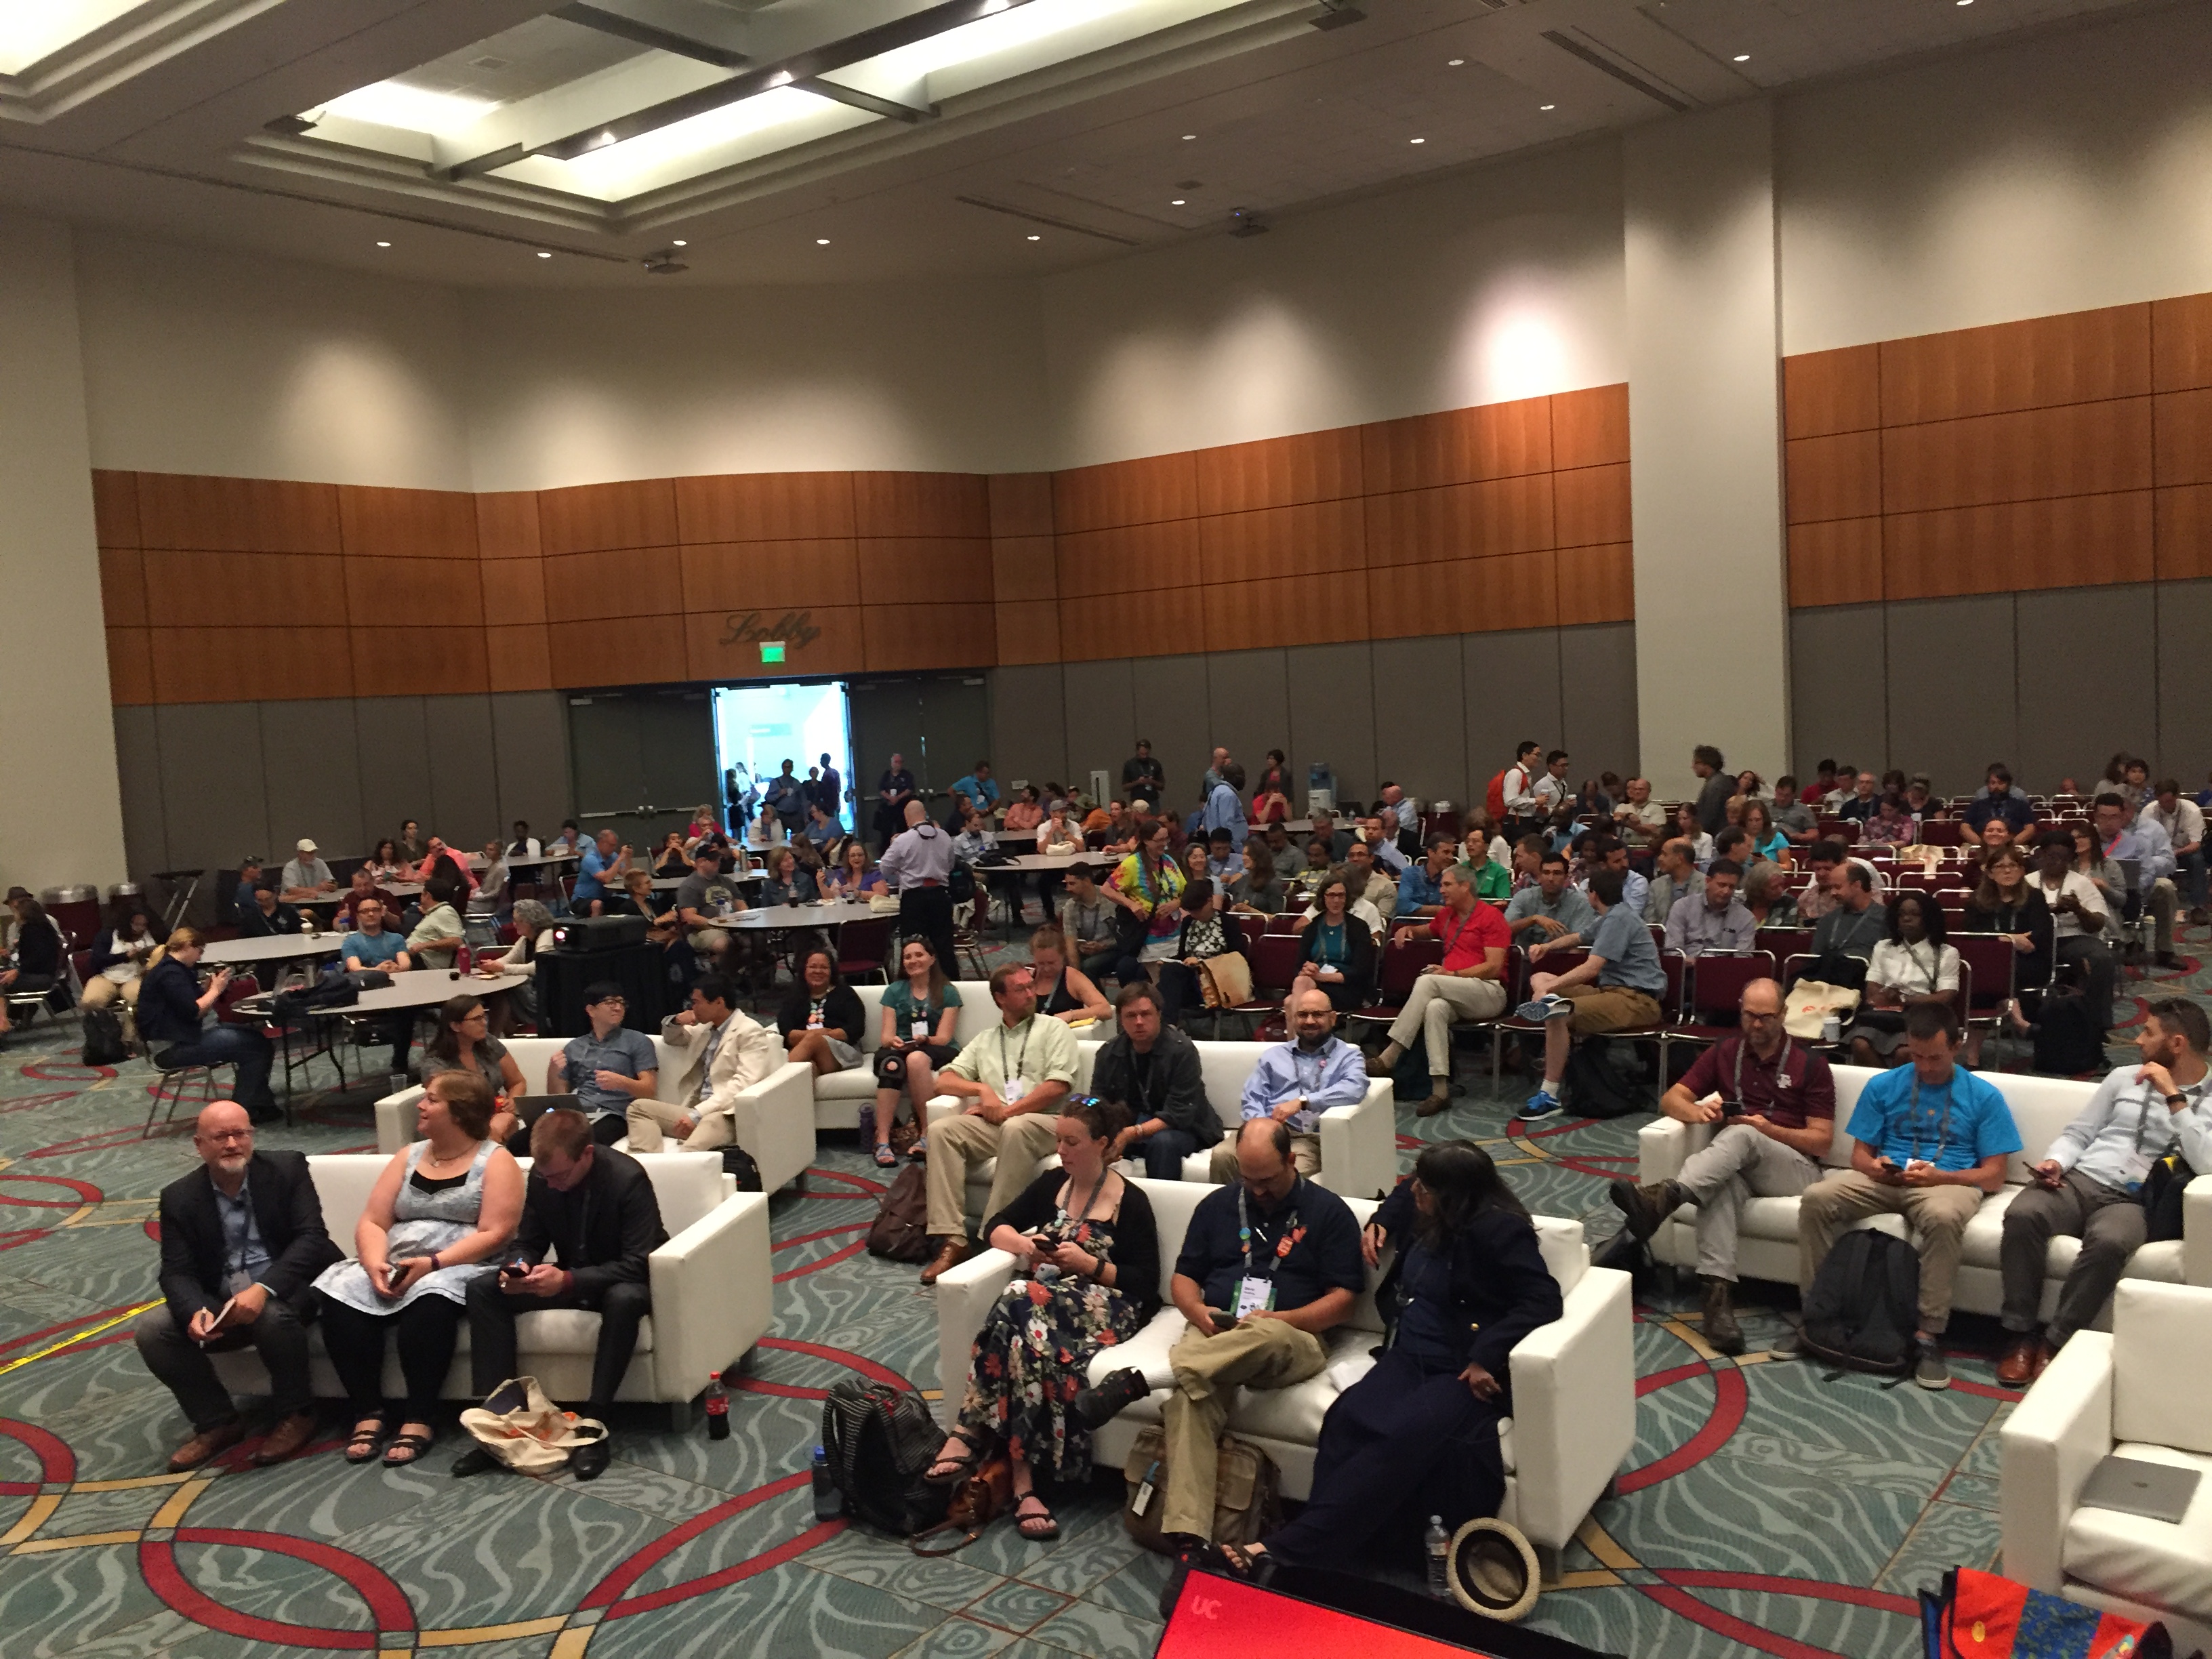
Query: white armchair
(1574, 1380)
(2137, 1392)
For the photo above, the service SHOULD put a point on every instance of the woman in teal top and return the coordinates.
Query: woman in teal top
(1759, 824)
(1338, 952)
(919, 1015)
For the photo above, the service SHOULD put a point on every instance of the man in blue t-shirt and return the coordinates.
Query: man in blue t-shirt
(373, 946)
(600, 877)
(1928, 1142)
(1616, 986)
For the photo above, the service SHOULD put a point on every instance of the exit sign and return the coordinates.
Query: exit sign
(771, 650)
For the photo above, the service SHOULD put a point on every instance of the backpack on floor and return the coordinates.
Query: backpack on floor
(103, 1037)
(1409, 1078)
(900, 1231)
(1864, 1304)
(1604, 1079)
(880, 1441)
(2067, 1039)
(741, 1164)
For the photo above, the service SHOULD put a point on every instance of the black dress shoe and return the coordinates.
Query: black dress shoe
(475, 1460)
(1093, 1407)
(589, 1461)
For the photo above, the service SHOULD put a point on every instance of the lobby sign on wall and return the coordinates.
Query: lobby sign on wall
(794, 630)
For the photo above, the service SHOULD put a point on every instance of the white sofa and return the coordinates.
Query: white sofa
(2137, 1392)
(2041, 1107)
(710, 1283)
(839, 1095)
(1358, 1143)
(1574, 1380)
(774, 1120)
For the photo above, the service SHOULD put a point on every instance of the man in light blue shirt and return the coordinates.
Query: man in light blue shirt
(2146, 842)
(1551, 909)
(1224, 807)
(1420, 890)
(1635, 890)
(599, 877)
(978, 788)
(1295, 1082)
(2089, 1185)
(1930, 1140)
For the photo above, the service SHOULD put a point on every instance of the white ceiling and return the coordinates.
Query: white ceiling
(155, 120)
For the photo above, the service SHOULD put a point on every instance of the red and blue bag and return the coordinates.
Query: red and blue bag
(1982, 1615)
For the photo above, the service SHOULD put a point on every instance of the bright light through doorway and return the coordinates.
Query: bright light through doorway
(758, 728)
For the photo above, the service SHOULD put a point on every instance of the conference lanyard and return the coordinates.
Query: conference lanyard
(1286, 1240)
(1780, 1070)
(1943, 1128)
(1027, 1027)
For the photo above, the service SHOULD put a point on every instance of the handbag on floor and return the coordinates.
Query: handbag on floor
(1248, 1492)
(1225, 981)
(985, 1494)
(1982, 1615)
(526, 1430)
(103, 1039)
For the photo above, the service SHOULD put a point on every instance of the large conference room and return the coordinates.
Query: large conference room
(1088, 828)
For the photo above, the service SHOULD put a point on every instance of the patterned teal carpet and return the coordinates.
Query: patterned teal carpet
(1764, 1510)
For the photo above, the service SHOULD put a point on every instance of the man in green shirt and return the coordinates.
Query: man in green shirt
(1011, 1081)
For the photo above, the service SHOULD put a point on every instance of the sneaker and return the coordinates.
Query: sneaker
(1929, 1370)
(1791, 1347)
(1542, 1103)
(1537, 1009)
(1096, 1407)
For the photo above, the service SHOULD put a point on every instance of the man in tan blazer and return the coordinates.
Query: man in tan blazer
(715, 1054)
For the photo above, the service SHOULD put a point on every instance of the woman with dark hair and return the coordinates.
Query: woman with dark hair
(849, 876)
(37, 957)
(1086, 1275)
(1417, 1435)
(1204, 937)
(384, 862)
(1911, 966)
(119, 955)
(1274, 778)
(673, 859)
(464, 1042)
(1336, 952)
(820, 1019)
(2006, 902)
(919, 1013)
(1259, 889)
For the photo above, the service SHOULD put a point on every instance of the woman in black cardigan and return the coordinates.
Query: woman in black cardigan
(822, 1018)
(1086, 1274)
(1336, 952)
(1417, 1435)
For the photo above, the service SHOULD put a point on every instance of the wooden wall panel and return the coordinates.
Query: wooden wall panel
(1148, 491)
(898, 638)
(513, 592)
(410, 592)
(241, 515)
(925, 570)
(2181, 343)
(115, 508)
(1597, 584)
(200, 665)
(630, 581)
(1463, 596)
(130, 667)
(405, 661)
(518, 658)
(1833, 477)
(214, 590)
(1457, 446)
(123, 587)
(920, 504)
(247, 664)
(2183, 426)
(506, 524)
(408, 524)
(1021, 503)
(764, 507)
(1835, 561)
(1589, 427)
(726, 645)
(1282, 541)
(2075, 450)
(1129, 560)
(1029, 631)
(296, 664)
(1830, 392)
(617, 650)
(1591, 506)
(1312, 466)
(1023, 567)
(2080, 357)
(1285, 611)
(1458, 522)
(2068, 542)
(2182, 536)
(739, 575)
(593, 518)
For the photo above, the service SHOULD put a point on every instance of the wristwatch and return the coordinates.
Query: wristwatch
(2176, 1101)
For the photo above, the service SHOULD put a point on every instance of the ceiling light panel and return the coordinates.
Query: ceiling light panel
(33, 31)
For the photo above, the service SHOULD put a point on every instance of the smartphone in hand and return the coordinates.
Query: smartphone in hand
(517, 1268)
(393, 1273)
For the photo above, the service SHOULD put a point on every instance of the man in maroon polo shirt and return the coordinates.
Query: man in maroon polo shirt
(1775, 1103)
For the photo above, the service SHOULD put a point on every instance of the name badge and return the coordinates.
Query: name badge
(1254, 1294)
(1017, 1087)
(921, 1031)
(2135, 1170)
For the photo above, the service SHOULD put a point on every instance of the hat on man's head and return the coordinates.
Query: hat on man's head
(306, 845)
(14, 893)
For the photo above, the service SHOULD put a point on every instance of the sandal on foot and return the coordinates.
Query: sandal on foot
(885, 1157)
(406, 1448)
(362, 1445)
(1040, 1516)
(1243, 1561)
(919, 1150)
(957, 1467)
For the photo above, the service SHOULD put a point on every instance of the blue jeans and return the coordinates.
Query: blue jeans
(233, 1045)
(1165, 1151)
(2193, 874)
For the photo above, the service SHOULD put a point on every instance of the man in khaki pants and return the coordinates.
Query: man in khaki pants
(1268, 1263)
(716, 1054)
(1012, 1079)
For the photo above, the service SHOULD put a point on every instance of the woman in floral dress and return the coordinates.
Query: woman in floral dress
(1086, 1274)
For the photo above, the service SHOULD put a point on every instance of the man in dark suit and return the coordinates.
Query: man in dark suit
(242, 1239)
(596, 1208)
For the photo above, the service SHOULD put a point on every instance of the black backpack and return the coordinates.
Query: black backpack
(900, 1231)
(1864, 1304)
(2067, 1039)
(880, 1442)
(739, 1163)
(103, 1038)
(1604, 1080)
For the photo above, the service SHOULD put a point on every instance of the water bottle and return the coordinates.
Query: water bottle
(464, 959)
(829, 1502)
(717, 1409)
(1439, 1546)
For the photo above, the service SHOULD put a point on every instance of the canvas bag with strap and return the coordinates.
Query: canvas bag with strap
(1226, 980)
(520, 1427)
(1246, 1491)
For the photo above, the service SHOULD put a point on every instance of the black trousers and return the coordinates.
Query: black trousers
(492, 1354)
(427, 1330)
(183, 1368)
(607, 1128)
(927, 913)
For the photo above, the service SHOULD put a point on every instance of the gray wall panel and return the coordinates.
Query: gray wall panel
(2078, 705)
(1511, 685)
(213, 800)
(1420, 719)
(2185, 681)
(1332, 700)
(1952, 701)
(1597, 692)
(1839, 693)
(395, 766)
(311, 769)
(463, 783)
(138, 773)
(1101, 721)
(530, 748)
(1169, 706)
(1247, 713)
(1029, 723)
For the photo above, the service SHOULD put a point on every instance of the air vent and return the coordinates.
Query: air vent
(503, 62)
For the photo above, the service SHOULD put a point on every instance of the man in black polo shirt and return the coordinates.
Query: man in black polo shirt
(1775, 1103)
(1268, 1263)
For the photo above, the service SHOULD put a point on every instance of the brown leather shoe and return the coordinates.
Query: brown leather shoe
(949, 1254)
(2045, 1353)
(2018, 1367)
(208, 1443)
(285, 1439)
(1434, 1104)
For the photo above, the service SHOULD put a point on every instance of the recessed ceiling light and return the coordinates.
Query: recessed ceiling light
(1454, 63)
(1547, 106)
(822, 241)
(543, 254)
(1036, 239)
(1177, 202)
(679, 242)
(1417, 141)
(1188, 136)
(1743, 57)
(384, 245)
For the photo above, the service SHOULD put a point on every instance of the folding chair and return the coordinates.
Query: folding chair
(1709, 999)
(1519, 968)
(174, 1081)
(863, 947)
(1274, 966)
(1401, 966)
